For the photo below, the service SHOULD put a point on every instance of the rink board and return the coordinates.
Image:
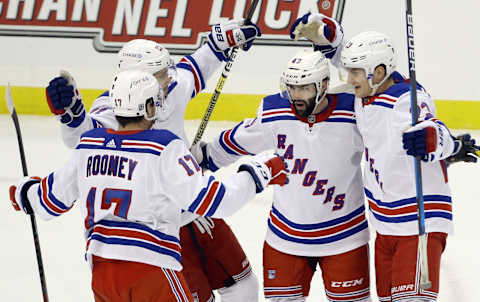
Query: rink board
(457, 114)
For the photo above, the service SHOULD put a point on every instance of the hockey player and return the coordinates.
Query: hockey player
(132, 184)
(213, 258)
(383, 113)
(319, 218)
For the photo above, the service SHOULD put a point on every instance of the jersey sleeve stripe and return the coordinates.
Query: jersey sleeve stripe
(197, 70)
(201, 195)
(189, 63)
(228, 143)
(48, 201)
(216, 201)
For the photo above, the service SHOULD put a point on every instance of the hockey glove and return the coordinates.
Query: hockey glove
(468, 152)
(200, 152)
(324, 32)
(65, 101)
(204, 225)
(267, 170)
(233, 33)
(18, 194)
(429, 141)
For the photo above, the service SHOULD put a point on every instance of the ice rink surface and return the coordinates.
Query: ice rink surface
(63, 246)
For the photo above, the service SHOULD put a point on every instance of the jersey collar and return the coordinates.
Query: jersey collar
(321, 116)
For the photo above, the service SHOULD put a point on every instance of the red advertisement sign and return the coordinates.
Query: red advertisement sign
(180, 25)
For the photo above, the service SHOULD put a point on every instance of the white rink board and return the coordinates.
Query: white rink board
(68, 275)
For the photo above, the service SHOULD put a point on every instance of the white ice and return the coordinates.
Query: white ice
(68, 275)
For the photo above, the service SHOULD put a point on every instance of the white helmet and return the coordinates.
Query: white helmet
(130, 92)
(367, 51)
(144, 55)
(306, 67)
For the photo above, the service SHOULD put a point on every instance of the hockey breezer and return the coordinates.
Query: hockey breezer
(36, 240)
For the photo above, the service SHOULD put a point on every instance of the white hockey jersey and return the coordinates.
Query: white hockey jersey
(131, 187)
(389, 173)
(192, 73)
(321, 210)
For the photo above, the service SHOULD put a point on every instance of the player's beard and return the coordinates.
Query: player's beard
(309, 105)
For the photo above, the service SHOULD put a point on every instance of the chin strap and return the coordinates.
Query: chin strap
(376, 86)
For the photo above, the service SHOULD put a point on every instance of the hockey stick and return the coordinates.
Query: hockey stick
(422, 236)
(36, 241)
(221, 81)
(340, 9)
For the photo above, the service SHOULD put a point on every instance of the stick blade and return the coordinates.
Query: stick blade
(8, 97)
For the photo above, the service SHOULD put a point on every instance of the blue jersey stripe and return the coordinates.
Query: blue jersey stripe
(407, 201)
(138, 243)
(216, 202)
(387, 105)
(52, 198)
(137, 226)
(321, 225)
(199, 71)
(201, 195)
(324, 240)
(411, 217)
(133, 150)
(277, 118)
(340, 120)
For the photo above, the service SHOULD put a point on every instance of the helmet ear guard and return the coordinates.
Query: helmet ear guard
(306, 67)
(367, 51)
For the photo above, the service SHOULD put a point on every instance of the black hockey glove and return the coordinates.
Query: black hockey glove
(468, 152)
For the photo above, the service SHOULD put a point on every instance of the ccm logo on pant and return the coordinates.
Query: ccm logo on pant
(349, 283)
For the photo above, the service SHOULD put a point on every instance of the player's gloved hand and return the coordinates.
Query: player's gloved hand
(201, 155)
(18, 194)
(233, 33)
(267, 170)
(468, 151)
(204, 225)
(325, 32)
(64, 100)
(429, 141)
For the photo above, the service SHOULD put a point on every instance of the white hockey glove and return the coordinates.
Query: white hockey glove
(200, 152)
(65, 101)
(267, 170)
(325, 32)
(18, 194)
(204, 225)
(233, 33)
(430, 141)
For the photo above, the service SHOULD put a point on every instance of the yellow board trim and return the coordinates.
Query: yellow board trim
(230, 107)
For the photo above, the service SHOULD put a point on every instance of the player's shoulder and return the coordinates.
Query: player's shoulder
(275, 101)
(147, 141)
(101, 103)
(345, 101)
